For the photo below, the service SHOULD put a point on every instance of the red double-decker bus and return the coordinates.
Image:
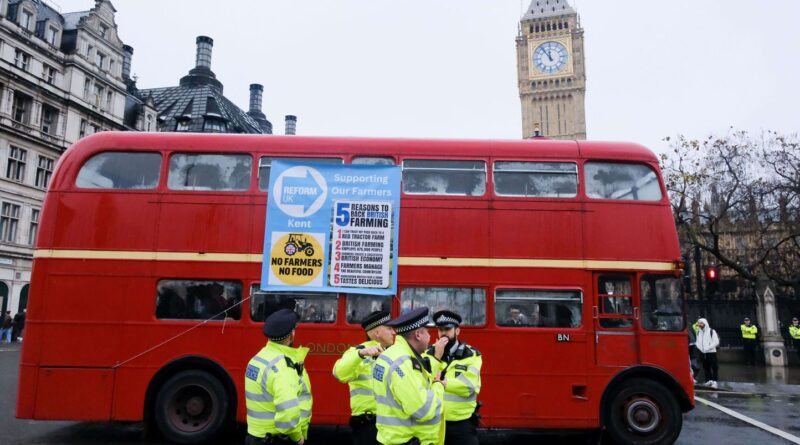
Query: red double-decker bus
(561, 256)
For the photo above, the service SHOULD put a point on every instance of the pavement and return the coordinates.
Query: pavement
(752, 405)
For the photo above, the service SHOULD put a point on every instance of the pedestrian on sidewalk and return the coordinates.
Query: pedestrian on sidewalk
(6, 326)
(692, 359)
(794, 332)
(19, 325)
(749, 334)
(707, 342)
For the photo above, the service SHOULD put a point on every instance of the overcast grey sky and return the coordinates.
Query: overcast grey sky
(447, 68)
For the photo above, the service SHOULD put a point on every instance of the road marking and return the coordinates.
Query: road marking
(751, 421)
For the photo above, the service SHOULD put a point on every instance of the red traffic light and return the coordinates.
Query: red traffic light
(712, 273)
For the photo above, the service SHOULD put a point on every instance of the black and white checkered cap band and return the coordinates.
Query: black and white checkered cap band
(280, 338)
(377, 323)
(447, 320)
(416, 325)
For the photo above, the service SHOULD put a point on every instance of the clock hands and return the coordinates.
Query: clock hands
(547, 51)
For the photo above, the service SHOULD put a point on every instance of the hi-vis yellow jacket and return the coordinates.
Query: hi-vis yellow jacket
(356, 371)
(278, 392)
(409, 402)
(794, 331)
(463, 374)
(749, 332)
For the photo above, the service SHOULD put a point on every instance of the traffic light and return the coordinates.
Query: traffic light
(712, 280)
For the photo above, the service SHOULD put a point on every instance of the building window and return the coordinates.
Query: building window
(87, 87)
(89, 50)
(51, 34)
(182, 124)
(99, 92)
(25, 19)
(21, 108)
(49, 119)
(111, 67)
(109, 100)
(82, 131)
(21, 59)
(212, 125)
(15, 170)
(9, 220)
(103, 31)
(34, 226)
(100, 59)
(44, 171)
(49, 74)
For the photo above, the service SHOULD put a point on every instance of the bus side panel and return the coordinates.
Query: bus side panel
(541, 230)
(444, 229)
(130, 387)
(74, 394)
(612, 229)
(225, 222)
(26, 390)
(106, 221)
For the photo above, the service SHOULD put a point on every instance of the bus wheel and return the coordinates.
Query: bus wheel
(643, 412)
(191, 407)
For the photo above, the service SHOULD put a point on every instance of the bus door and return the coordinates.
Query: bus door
(614, 312)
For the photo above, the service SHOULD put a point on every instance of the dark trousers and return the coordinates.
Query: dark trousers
(269, 440)
(710, 366)
(749, 351)
(364, 430)
(462, 432)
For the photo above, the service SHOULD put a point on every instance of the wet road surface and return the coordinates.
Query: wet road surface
(773, 400)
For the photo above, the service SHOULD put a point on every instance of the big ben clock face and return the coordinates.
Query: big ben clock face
(550, 57)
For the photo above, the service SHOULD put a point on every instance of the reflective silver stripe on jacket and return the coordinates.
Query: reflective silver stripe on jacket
(396, 421)
(420, 413)
(455, 398)
(265, 415)
(288, 425)
(361, 392)
(287, 404)
(258, 397)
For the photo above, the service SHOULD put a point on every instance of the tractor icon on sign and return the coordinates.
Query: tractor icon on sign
(297, 242)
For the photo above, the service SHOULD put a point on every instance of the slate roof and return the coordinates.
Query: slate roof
(72, 19)
(540, 9)
(197, 103)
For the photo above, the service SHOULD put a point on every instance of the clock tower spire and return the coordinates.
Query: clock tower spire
(551, 71)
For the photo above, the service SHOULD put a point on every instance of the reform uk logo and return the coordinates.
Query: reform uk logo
(300, 191)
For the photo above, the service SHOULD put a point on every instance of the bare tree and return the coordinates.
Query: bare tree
(737, 198)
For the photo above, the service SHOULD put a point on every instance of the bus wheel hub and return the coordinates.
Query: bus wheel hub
(195, 406)
(643, 416)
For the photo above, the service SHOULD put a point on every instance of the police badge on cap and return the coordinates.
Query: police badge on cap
(280, 324)
(447, 319)
(410, 321)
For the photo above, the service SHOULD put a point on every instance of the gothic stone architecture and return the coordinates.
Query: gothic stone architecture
(551, 71)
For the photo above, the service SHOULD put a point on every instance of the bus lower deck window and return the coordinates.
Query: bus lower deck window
(538, 308)
(310, 307)
(470, 303)
(198, 299)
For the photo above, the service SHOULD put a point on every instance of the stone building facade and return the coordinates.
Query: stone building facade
(551, 71)
(61, 78)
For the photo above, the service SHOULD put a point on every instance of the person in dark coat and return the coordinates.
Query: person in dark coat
(19, 325)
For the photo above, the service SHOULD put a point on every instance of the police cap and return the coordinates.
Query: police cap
(447, 319)
(375, 319)
(280, 324)
(411, 320)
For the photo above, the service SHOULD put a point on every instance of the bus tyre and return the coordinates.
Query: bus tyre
(642, 412)
(191, 407)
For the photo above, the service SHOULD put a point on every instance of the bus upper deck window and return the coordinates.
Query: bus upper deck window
(265, 163)
(194, 171)
(470, 303)
(444, 177)
(371, 160)
(310, 307)
(120, 170)
(536, 179)
(612, 180)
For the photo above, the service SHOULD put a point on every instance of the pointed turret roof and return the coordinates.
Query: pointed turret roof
(540, 9)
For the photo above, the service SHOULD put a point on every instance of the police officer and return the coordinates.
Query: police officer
(794, 332)
(460, 364)
(276, 385)
(355, 369)
(409, 397)
(749, 333)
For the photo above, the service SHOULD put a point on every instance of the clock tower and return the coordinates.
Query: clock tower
(551, 71)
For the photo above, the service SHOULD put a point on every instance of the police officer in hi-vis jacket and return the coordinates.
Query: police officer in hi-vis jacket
(409, 397)
(355, 369)
(459, 364)
(276, 385)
